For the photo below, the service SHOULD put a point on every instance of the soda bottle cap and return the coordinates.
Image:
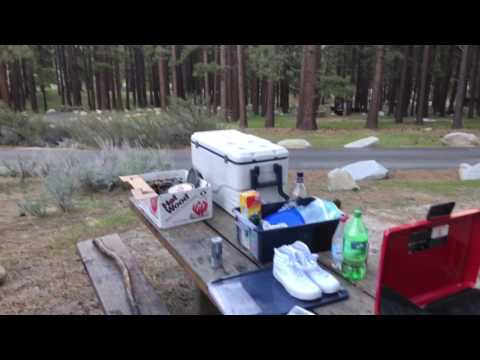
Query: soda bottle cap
(358, 213)
(300, 174)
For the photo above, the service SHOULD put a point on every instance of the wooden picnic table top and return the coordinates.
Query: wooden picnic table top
(190, 246)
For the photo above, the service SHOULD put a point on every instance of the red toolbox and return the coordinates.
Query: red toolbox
(431, 267)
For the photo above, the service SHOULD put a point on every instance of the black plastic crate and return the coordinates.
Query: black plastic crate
(318, 237)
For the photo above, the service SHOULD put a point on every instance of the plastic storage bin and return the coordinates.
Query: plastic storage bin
(431, 267)
(261, 244)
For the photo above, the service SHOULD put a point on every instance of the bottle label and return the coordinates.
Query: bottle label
(359, 246)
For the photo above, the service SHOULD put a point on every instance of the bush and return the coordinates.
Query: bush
(146, 128)
(61, 179)
(111, 162)
(34, 207)
(22, 168)
(28, 130)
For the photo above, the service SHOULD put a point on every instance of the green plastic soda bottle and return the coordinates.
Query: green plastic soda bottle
(355, 249)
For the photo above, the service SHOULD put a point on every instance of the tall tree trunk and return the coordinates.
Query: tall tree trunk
(234, 84)
(458, 118)
(270, 107)
(118, 83)
(263, 97)
(3, 83)
(446, 79)
(401, 96)
(223, 82)
(393, 90)
(254, 94)
(453, 94)
(473, 82)
(423, 85)
(372, 120)
(308, 100)
(284, 96)
(241, 87)
(206, 81)
(32, 87)
(163, 81)
(416, 76)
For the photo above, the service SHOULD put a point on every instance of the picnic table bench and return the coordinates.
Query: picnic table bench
(190, 246)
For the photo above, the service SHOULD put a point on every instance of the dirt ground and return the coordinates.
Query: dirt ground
(46, 276)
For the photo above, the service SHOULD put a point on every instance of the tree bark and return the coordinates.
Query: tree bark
(372, 120)
(458, 118)
(401, 96)
(4, 95)
(308, 100)
(118, 83)
(270, 107)
(223, 82)
(206, 81)
(241, 87)
(163, 81)
(473, 82)
(453, 94)
(254, 94)
(423, 85)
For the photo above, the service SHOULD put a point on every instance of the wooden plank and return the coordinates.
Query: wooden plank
(190, 245)
(108, 283)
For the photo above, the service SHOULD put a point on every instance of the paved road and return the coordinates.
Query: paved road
(314, 159)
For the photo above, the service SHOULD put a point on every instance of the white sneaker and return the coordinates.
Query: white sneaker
(308, 263)
(293, 279)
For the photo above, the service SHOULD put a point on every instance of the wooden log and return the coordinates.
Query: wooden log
(108, 283)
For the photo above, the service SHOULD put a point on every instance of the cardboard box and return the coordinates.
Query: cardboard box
(171, 210)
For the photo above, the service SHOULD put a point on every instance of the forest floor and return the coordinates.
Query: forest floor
(46, 276)
(336, 131)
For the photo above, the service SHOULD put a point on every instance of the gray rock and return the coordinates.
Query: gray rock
(3, 275)
(468, 172)
(363, 143)
(460, 139)
(295, 144)
(341, 180)
(51, 111)
(366, 170)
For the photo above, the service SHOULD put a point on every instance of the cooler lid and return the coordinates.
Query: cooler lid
(239, 147)
(429, 260)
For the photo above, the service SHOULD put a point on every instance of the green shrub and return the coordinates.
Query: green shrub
(35, 207)
(22, 168)
(152, 128)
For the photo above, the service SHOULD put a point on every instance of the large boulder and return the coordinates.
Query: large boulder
(363, 143)
(295, 144)
(3, 275)
(366, 170)
(469, 172)
(460, 139)
(341, 180)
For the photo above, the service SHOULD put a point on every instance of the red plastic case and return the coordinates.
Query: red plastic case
(425, 270)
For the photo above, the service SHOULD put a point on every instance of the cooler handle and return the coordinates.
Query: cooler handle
(278, 170)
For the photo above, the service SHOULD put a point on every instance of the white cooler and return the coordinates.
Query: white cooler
(234, 162)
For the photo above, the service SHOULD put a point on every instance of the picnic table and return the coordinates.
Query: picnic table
(190, 246)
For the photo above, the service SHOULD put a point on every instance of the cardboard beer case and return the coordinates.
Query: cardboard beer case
(172, 210)
(234, 162)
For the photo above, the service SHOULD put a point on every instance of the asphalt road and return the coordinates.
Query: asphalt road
(315, 159)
